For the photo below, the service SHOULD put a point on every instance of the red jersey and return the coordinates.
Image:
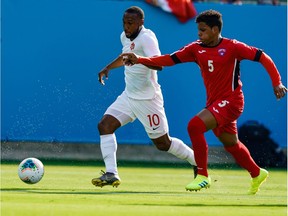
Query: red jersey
(219, 65)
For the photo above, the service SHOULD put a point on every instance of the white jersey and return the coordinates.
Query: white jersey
(141, 82)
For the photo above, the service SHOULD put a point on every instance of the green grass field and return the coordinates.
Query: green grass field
(66, 190)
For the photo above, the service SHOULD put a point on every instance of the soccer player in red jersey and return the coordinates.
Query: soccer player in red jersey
(218, 59)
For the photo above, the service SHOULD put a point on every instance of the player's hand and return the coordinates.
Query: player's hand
(129, 58)
(126, 61)
(101, 74)
(280, 91)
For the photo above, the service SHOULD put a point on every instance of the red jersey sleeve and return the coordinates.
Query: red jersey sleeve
(271, 68)
(164, 60)
(243, 51)
(254, 54)
(185, 54)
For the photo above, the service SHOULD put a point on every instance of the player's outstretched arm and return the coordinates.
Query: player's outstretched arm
(130, 59)
(159, 61)
(279, 89)
(105, 71)
(158, 68)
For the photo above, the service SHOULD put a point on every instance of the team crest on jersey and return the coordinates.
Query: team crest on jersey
(222, 52)
(132, 46)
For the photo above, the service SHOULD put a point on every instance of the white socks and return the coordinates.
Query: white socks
(182, 151)
(108, 145)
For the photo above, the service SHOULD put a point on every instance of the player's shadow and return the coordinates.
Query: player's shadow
(65, 191)
(220, 205)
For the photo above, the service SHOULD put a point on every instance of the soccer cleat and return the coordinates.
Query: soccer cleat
(257, 181)
(106, 179)
(198, 183)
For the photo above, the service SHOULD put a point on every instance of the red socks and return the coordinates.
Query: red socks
(196, 129)
(242, 156)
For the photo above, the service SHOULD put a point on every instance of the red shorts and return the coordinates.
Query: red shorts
(226, 113)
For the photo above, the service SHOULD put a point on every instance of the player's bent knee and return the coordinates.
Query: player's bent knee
(104, 128)
(192, 126)
(161, 145)
(196, 126)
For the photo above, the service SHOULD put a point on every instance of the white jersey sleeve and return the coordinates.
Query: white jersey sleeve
(141, 82)
(150, 45)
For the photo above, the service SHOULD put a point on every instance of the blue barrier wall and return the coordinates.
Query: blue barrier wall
(52, 51)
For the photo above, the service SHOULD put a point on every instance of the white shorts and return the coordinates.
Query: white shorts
(150, 113)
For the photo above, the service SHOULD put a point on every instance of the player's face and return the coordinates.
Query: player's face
(207, 35)
(131, 25)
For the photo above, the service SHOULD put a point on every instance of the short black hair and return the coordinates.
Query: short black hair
(136, 10)
(211, 18)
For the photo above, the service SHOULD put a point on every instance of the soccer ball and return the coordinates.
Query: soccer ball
(31, 170)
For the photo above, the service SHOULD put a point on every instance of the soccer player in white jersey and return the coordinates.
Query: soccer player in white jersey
(142, 99)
